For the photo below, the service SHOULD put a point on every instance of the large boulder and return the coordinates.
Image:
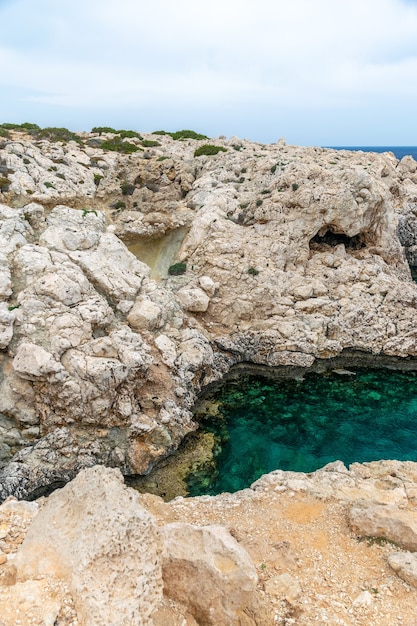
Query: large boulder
(95, 535)
(205, 569)
(386, 521)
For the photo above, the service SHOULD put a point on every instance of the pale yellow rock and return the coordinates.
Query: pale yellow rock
(405, 565)
(284, 586)
(145, 315)
(389, 522)
(214, 579)
(94, 535)
(193, 299)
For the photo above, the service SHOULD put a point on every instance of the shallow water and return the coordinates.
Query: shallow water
(302, 425)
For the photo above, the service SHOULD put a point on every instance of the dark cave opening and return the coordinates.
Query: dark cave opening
(334, 239)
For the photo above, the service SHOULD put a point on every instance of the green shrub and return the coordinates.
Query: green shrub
(87, 211)
(57, 134)
(117, 145)
(253, 271)
(118, 205)
(129, 134)
(103, 129)
(274, 169)
(159, 132)
(4, 183)
(259, 202)
(28, 126)
(162, 158)
(4, 133)
(208, 149)
(31, 128)
(294, 186)
(97, 179)
(127, 188)
(148, 143)
(187, 134)
(177, 269)
(49, 185)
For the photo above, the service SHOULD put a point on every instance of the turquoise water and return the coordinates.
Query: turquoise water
(302, 425)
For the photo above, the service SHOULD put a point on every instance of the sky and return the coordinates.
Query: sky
(317, 72)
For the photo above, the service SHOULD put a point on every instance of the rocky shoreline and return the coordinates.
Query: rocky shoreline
(293, 258)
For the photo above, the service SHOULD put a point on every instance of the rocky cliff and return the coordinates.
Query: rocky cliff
(291, 256)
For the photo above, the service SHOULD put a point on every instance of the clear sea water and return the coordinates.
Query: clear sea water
(399, 151)
(301, 425)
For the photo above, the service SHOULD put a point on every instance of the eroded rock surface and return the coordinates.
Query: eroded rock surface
(207, 558)
(293, 256)
(281, 552)
(94, 535)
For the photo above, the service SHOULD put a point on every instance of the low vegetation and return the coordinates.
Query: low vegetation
(177, 269)
(208, 150)
(117, 145)
(181, 134)
(4, 183)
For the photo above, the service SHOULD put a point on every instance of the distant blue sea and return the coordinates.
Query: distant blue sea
(399, 151)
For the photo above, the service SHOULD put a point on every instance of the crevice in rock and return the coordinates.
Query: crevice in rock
(333, 239)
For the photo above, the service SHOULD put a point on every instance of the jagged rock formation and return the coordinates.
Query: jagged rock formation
(292, 258)
(290, 550)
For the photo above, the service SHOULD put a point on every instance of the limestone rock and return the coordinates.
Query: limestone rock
(6, 325)
(94, 535)
(32, 361)
(294, 255)
(145, 314)
(388, 522)
(167, 348)
(405, 565)
(283, 586)
(207, 284)
(193, 299)
(362, 600)
(215, 579)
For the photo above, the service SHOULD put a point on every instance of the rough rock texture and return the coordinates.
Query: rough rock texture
(95, 535)
(405, 565)
(388, 522)
(294, 256)
(311, 568)
(206, 570)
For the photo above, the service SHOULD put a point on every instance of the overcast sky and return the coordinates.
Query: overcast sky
(317, 72)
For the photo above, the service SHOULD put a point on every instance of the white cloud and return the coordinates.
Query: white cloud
(300, 55)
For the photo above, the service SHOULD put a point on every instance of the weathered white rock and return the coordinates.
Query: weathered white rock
(207, 284)
(364, 599)
(6, 325)
(284, 586)
(32, 362)
(405, 565)
(390, 522)
(167, 348)
(215, 579)
(145, 315)
(193, 299)
(95, 535)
